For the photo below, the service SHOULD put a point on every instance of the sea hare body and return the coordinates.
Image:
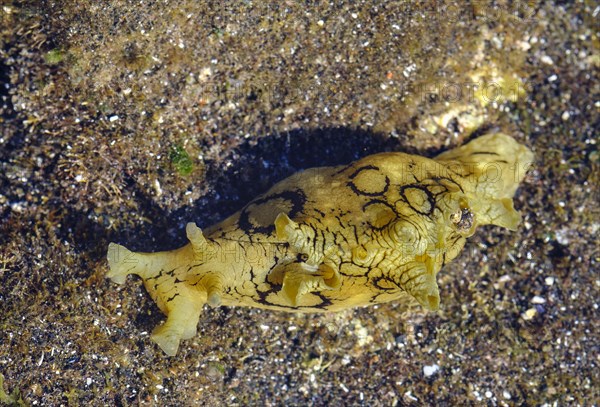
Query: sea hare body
(331, 238)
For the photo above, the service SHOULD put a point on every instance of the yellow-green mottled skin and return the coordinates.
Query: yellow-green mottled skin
(331, 238)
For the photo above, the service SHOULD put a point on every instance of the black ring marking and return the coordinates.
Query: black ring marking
(356, 173)
(428, 194)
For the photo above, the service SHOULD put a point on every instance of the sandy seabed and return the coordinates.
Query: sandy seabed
(122, 121)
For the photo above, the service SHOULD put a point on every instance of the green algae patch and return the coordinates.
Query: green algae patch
(181, 160)
(55, 56)
(13, 399)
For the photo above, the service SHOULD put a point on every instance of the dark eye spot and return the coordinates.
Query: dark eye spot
(463, 220)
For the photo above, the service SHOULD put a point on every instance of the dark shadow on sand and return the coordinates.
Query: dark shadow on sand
(256, 166)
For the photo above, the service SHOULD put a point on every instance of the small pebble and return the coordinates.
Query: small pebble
(430, 370)
(529, 314)
(538, 300)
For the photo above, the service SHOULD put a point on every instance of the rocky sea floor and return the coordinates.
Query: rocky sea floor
(122, 121)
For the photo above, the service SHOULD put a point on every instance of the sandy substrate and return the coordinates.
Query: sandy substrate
(122, 122)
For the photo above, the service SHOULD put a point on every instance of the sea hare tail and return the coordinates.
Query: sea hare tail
(165, 278)
(122, 262)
